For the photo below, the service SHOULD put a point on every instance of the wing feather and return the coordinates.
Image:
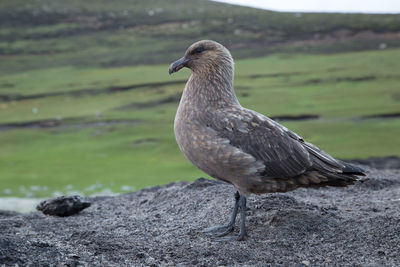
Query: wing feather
(269, 142)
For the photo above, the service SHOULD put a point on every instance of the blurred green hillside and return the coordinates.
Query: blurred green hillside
(87, 105)
(104, 33)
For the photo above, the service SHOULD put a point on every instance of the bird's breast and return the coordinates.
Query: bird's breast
(210, 152)
(188, 128)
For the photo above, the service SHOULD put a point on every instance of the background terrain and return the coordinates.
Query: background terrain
(87, 106)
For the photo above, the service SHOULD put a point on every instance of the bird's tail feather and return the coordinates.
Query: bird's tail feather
(312, 178)
(336, 172)
(320, 179)
(351, 169)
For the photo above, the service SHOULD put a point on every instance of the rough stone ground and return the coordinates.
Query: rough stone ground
(159, 226)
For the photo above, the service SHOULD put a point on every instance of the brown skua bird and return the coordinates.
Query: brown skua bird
(240, 146)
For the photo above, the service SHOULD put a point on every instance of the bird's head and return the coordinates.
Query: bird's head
(204, 57)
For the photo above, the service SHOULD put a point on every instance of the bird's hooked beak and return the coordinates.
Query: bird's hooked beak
(177, 65)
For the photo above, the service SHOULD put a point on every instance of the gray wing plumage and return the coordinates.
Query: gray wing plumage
(283, 152)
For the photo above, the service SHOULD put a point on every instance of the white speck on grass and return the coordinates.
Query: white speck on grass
(38, 188)
(106, 192)
(7, 191)
(69, 186)
(93, 187)
(127, 188)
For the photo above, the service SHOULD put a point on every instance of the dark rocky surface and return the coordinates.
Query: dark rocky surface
(159, 226)
(63, 205)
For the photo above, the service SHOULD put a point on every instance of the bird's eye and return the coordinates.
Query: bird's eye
(198, 50)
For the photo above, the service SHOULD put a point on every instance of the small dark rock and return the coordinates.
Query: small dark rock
(381, 253)
(40, 244)
(63, 206)
(140, 255)
(73, 256)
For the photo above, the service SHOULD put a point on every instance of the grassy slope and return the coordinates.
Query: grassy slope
(146, 153)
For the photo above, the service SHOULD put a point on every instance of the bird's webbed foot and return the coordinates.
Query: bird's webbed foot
(219, 230)
(240, 237)
(223, 230)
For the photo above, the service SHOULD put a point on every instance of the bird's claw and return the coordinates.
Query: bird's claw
(218, 231)
(240, 237)
(223, 230)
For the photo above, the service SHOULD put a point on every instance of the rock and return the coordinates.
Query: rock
(160, 226)
(63, 206)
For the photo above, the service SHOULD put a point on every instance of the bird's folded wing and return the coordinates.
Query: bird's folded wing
(280, 150)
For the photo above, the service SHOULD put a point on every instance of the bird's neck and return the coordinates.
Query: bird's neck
(213, 89)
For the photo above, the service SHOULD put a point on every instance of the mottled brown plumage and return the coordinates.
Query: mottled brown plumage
(240, 146)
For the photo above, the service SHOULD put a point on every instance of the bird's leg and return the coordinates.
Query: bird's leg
(242, 232)
(222, 230)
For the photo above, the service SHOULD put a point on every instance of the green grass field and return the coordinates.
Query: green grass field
(87, 106)
(138, 148)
